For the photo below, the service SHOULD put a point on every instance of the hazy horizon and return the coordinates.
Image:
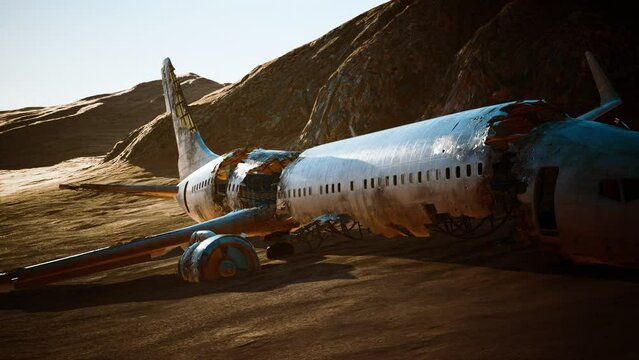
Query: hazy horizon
(56, 52)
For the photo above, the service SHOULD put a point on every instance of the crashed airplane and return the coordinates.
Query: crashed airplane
(571, 186)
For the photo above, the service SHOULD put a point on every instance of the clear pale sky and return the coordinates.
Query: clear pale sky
(57, 51)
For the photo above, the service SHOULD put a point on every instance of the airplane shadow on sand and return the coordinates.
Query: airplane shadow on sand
(306, 268)
(500, 253)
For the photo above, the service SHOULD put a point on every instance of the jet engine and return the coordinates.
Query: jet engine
(210, 257)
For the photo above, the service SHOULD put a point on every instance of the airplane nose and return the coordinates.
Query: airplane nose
(597, 197)
(582, 194)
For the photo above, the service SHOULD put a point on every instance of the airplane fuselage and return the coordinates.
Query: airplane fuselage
(521, 159)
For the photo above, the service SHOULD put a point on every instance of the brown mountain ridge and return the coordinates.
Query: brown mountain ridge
(408, 60)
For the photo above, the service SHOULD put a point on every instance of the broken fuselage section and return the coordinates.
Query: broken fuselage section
(465, 174)
(241, 179)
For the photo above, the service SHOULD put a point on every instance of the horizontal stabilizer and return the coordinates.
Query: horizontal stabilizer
(608, 95)
(162, 191)
(260, 221)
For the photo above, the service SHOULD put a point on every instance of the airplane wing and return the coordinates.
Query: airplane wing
(162, 191)
(254, 221)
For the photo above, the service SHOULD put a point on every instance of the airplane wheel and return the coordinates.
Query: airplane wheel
(280, 250)
(219, 256)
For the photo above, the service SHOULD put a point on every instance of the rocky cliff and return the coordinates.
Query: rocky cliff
(408, 60)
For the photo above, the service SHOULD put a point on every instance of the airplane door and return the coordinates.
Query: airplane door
(545, 200)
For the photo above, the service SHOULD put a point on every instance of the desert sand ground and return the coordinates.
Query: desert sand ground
(371, 298)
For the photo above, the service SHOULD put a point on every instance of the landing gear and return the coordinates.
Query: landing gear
(280, 250)
(211, 257)
(326, 226)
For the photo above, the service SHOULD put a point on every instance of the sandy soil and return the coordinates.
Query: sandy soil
(372, 298)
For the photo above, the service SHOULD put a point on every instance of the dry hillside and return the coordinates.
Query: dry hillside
(87, 127)
(408, 60)
(405, 298)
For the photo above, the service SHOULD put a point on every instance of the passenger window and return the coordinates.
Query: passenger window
(352, 185)
(427, 175)
(402, 179)
(304, 191)
(419, 176)
(480, 169)
(469, 170)
(395, 180)
(372, 183)
(339, 187)
(436, 174)
(410, 178)
(365, 187)
(447, 173)
(333, 188)
(327, 188)
(289, 193)
(310, 190)
(294, 193)
(457, 172)
(387, 182)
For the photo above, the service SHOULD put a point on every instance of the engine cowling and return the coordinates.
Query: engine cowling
(211, 257)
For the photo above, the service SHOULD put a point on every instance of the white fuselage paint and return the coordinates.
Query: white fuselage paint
(196, 193)
(584, 151)
(591, 226)
(409, 166)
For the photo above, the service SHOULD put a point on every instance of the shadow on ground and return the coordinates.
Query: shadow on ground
(314, 266)
(307, 268)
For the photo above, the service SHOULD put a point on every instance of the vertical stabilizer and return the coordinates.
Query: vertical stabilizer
(192, 152)
(608, 98)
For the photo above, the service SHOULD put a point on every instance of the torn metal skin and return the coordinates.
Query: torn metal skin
(450, 174)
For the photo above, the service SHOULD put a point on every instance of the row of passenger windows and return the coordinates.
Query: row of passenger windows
(401, 179)
(201, 185)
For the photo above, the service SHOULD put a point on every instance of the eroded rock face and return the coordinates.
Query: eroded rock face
(408, 60)
(42, 136)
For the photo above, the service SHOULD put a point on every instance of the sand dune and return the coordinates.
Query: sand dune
(372, 298)
(67, 131)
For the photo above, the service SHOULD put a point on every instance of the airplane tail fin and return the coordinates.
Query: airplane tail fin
(608, 95)
(192, 152)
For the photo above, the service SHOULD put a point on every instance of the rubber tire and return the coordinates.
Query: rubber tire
(280, 250)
